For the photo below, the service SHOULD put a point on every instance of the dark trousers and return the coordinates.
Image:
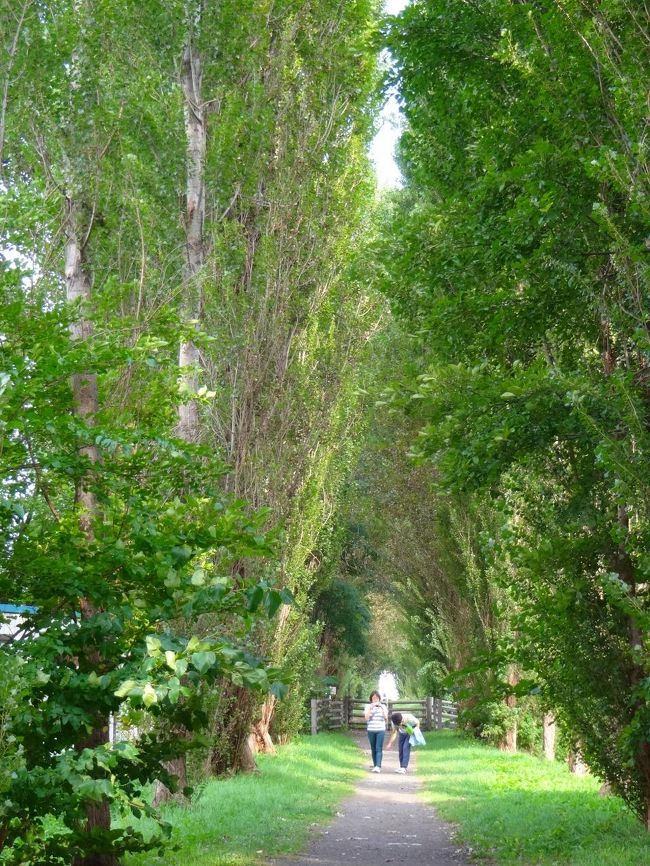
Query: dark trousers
(376, 746)
(404, 750)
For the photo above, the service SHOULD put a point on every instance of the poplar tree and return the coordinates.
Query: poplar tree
(517, 255)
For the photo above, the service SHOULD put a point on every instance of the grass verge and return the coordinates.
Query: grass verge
(517, 809)
(247, 819)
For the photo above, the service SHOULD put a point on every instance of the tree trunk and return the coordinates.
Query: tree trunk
(509, 741)
(261, 728)
(97, 814)
(188, 427)
(177, 767)
(86, 402)
(84, 385)
(234, 746)
(86, 405)
(548, 736)
(576, 762)
(262, 725)
(9, 62)
(196, 133)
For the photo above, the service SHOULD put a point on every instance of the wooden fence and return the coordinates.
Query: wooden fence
(328, 714)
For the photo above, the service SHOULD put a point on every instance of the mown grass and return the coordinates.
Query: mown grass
(248, 818)
(517, 809)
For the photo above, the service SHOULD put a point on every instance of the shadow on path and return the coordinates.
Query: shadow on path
(385, 821)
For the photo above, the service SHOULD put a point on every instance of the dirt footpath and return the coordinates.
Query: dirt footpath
(385, 821)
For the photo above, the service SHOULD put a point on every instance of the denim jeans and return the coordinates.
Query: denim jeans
(376, 746)
(404, 750)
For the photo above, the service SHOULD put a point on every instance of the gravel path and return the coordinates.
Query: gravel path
(385, 821)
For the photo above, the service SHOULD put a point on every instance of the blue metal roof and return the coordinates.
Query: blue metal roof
(17, 608)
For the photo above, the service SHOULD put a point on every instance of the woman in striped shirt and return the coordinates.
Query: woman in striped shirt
(376, 715)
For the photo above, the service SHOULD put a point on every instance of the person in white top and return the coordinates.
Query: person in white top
(376, 715)
(404, 725)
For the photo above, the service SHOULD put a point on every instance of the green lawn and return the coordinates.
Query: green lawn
(516, 809)
(248, 818)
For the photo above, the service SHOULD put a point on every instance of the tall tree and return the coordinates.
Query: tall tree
(287, 314)
(116, 531)
(195, 194)
(517, 254)
(205, 167)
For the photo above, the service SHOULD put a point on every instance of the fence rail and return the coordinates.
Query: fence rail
(329, 714)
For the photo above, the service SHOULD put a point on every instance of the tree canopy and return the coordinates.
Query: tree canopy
(264, 430)
(517, 257)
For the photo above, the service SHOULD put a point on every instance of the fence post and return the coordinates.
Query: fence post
(428, 714)
(314, 716)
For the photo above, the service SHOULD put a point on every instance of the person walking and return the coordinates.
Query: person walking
(376, 715)
(403, 724)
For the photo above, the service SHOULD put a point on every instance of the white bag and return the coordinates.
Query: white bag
(417, 738)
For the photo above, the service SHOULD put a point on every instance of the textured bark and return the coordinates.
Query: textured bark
(548, 734)
(261, 729)
(78, 281)
(576, 763)
(509, 741)
(188, 357)
(86, 401)
(234, 744)
(97, 814)
(625, 569)
(84, 384)
(196, 134)
(177, 767)
(262, 725)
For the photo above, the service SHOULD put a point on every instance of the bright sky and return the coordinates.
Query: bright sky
(382, 147)
(387, 686)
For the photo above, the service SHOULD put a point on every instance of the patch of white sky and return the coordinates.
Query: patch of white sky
(382, 147)
(387, 686)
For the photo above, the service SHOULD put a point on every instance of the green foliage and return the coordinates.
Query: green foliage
(342, 607)
(291, 716)
(14, 690)
(516, 258)
(94, 147)
(106, 590)
(433, 590)
(491, 720)
(341, 604)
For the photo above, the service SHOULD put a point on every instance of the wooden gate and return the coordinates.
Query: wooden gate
(329, 714)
